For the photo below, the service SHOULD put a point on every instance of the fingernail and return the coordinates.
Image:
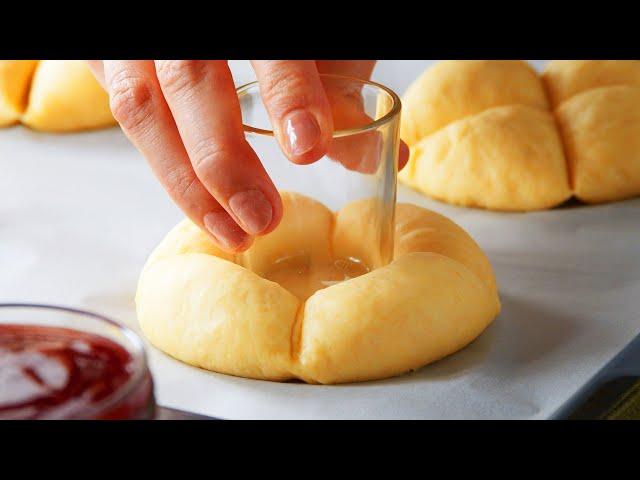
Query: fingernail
(303, 132)
(252, 209)
(227, 233)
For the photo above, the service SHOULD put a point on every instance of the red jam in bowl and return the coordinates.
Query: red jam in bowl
(54, 373)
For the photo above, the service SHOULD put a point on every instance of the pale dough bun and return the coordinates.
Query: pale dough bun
(601, 132)
(481, 135)
(505, 158)
(598, 113)
(15, 78)
(453, 89)
(566, 78)
(198, 305)
(64, 97)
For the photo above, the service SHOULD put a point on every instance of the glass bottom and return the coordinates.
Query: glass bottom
(303, 278)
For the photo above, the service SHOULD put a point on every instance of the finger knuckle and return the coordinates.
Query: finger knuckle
(131, 101)
(179, 76)
(209, 156)
(284, 91)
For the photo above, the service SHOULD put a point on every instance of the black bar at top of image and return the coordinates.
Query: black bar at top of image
(353, 30)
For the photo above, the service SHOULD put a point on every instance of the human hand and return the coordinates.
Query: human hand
(184, 117)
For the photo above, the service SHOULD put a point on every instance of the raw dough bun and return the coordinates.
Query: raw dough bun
(505, 158)
(438, 294)
(15, 78)
(481, 135)
(65, 96)
(566, 78)
(601, 132)
(453, 89)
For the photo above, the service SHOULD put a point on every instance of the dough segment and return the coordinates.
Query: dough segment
(66, 97)
(505, 158)
(205, 309)
(15, 78)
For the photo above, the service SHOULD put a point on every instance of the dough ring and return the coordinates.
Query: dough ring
(52, 96)
(219, 312)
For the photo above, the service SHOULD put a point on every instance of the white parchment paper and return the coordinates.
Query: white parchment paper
(80, 213)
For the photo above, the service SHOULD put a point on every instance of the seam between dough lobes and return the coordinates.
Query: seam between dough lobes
(563, 142)
(296, 332)
(546, 108)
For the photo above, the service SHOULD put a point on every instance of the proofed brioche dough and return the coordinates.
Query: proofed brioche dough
(453, 89)
(505, 158)
(482, 133)
(566, 78)
(436, 296)
(15, 78)
(601, 131)
(65, 96)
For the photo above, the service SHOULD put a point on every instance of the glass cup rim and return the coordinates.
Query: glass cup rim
(373, 125)
(139, 355)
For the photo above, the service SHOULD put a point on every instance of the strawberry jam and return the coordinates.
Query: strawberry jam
(51, 372)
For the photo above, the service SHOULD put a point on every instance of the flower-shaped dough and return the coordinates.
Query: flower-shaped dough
(482, 133)
(216, 311)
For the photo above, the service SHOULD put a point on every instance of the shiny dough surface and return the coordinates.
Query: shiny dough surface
(482, 133)
(216, 311)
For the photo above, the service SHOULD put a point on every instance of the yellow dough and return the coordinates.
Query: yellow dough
(598, 113)
(566, 78)
(505, 158)
(15, 78)
(601, 131)
(482, 133)
(205, 308)
(64, 97)
(453, 89)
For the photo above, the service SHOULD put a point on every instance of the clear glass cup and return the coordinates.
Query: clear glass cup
(361, 162)
(58, 327)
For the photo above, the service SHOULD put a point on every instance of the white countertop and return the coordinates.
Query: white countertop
(80, 213)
